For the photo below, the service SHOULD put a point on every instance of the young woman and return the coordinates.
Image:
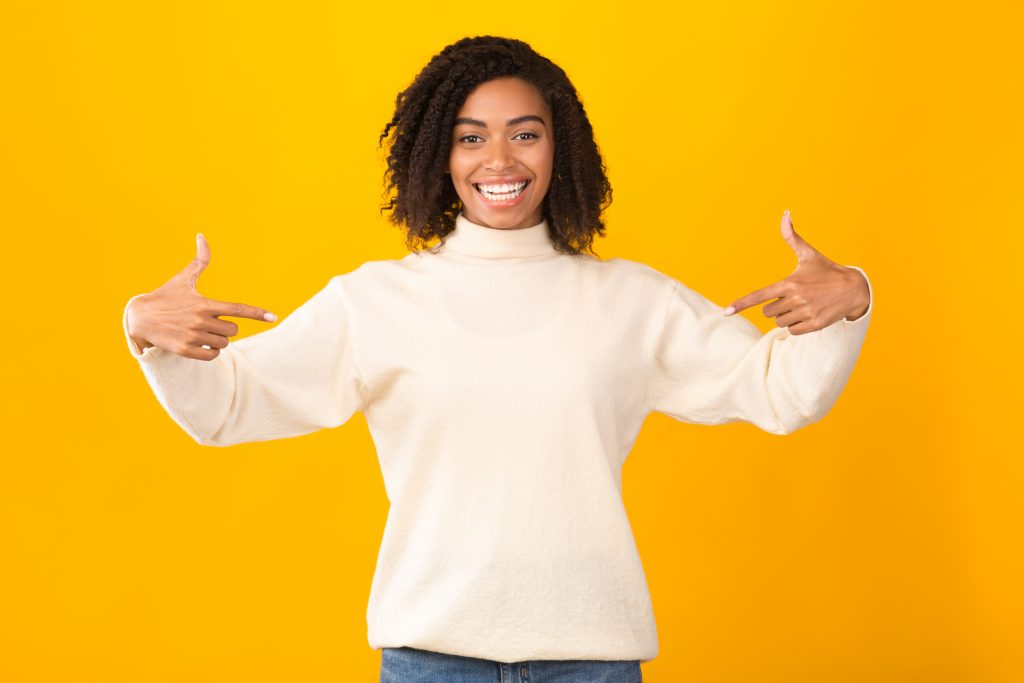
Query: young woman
(504, 372)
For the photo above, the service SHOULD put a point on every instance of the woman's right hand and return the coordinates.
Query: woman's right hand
(177, 318)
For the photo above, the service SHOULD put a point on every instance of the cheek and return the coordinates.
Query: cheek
(457, 165)
(542, 167)
(544, 162)
(459, 174)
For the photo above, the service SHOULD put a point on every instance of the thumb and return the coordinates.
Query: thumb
(199, 263)
(804, 251)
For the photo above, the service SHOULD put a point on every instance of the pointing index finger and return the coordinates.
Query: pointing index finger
(239, 310)
(759, 296)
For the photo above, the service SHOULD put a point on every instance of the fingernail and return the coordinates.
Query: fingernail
(269, 317)
(729, 311)
(786, 213)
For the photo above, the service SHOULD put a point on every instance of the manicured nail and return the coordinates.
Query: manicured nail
(269, 317)
(729, 311)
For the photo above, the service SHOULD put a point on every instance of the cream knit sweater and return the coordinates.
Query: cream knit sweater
(504, 384)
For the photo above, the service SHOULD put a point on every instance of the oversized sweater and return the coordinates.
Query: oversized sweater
(504, 383)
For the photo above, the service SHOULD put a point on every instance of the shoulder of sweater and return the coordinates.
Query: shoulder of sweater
(375, 268)
(619, 269)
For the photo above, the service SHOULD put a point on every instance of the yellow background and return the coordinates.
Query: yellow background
(882, 544)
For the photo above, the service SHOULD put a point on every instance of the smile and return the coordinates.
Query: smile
(503, 192)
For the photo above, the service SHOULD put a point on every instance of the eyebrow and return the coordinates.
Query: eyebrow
(511, 122)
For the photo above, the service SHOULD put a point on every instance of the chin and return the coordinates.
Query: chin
(510, 217)
(495, 219)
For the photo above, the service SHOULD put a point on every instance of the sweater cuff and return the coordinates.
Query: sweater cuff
(862, 320)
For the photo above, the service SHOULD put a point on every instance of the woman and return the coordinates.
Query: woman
(504, 374)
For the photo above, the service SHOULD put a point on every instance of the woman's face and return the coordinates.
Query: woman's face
(503, 136)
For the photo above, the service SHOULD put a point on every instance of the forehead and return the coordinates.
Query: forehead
(502, 97)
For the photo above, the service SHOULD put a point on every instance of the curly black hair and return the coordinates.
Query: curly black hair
(425, 201)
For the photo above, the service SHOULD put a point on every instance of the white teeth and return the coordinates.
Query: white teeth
(502, 192)
(503, 189)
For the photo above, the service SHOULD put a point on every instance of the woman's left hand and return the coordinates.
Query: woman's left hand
(818, 293)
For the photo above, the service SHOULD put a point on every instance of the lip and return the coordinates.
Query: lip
(501, 203)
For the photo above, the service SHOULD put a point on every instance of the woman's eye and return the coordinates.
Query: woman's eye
(476, 138)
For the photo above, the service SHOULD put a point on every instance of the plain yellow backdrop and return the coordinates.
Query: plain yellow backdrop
(882, 544)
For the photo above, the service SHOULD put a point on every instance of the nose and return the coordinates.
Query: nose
(499, 156)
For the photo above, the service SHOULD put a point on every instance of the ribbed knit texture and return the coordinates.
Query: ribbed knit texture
(504, 384)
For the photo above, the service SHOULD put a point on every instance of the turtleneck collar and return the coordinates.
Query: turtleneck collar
(472, 239)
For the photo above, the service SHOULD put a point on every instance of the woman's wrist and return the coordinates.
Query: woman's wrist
(864, 299)
(130, 318)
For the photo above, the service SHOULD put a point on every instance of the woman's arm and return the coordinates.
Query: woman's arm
(292, 379)
(289, 380)
(713, 369)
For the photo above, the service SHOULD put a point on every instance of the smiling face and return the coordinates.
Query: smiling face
(501, 154)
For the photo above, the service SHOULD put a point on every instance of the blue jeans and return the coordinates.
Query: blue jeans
(411, 665)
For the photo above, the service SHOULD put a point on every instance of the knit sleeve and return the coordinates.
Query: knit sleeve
(292, 379)
(712, 369)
